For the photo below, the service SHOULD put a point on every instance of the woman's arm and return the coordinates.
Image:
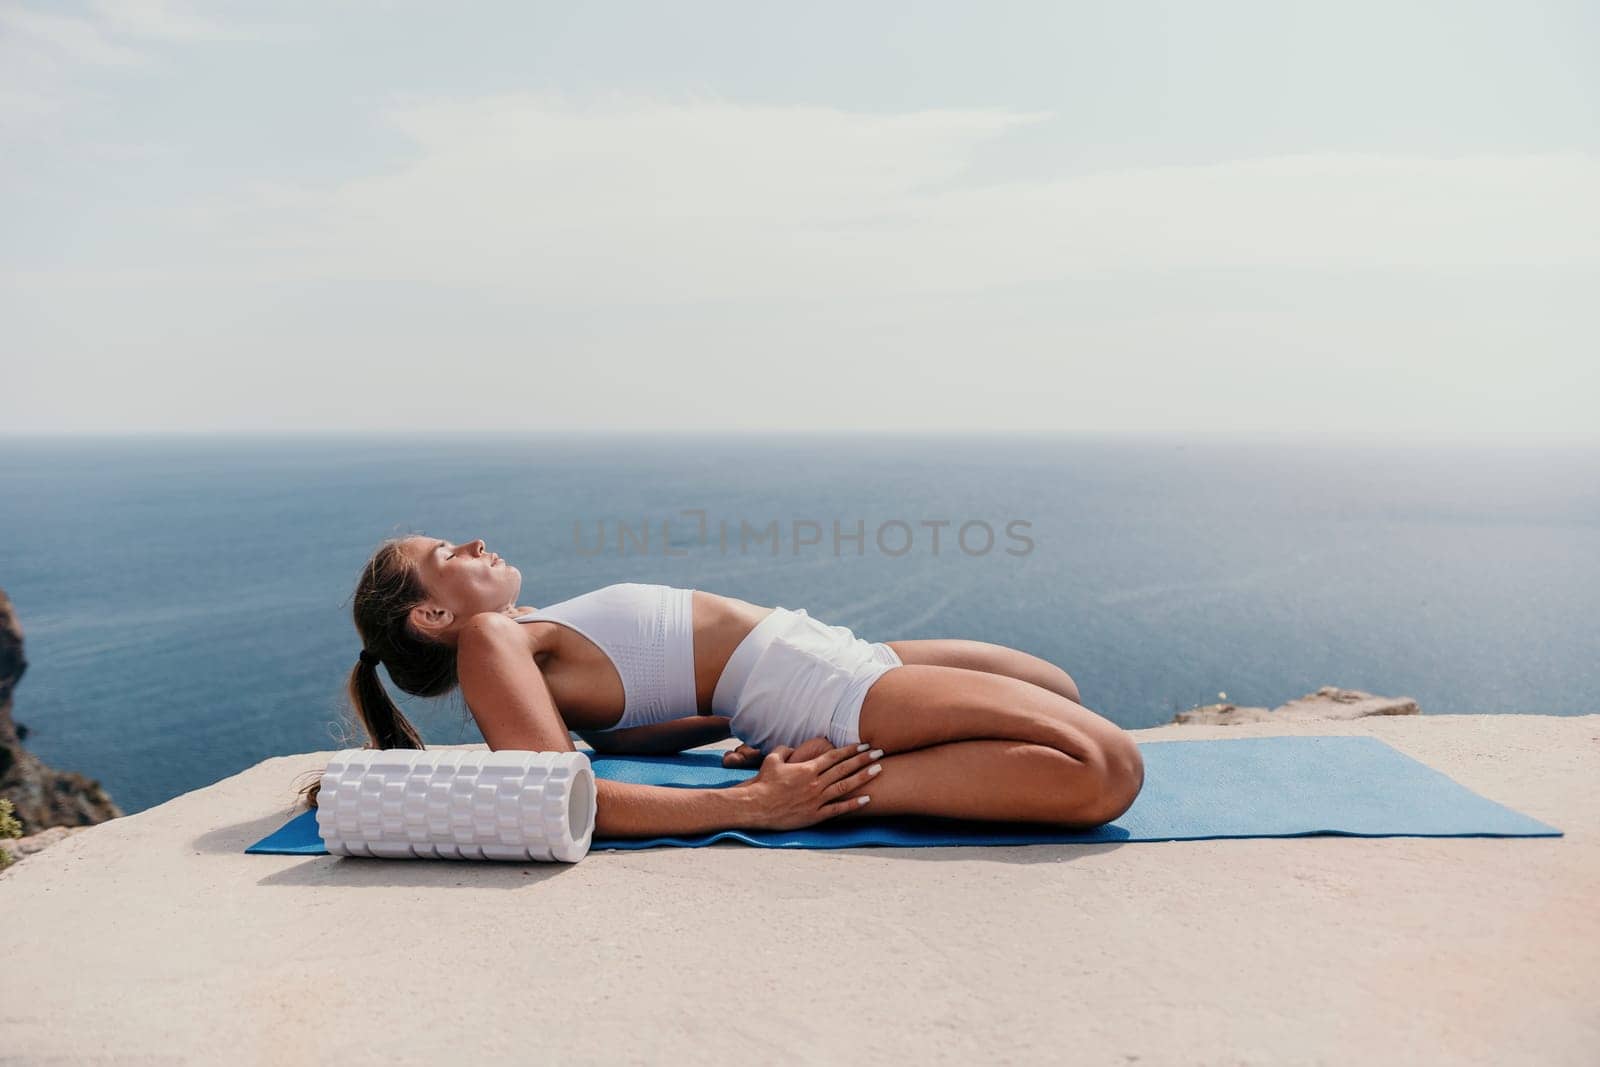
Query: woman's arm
(662, 738)
(782, 796)
(508, 697)
(627, 809)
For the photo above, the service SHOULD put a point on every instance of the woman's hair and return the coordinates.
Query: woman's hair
(390, 586)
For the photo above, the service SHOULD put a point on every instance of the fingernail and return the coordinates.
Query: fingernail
(862, 800)
(874, 769)
(862, 747)
(877, 752)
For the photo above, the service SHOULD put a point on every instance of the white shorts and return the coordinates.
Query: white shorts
(793, 678)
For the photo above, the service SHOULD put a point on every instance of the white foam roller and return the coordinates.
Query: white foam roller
(457, 805)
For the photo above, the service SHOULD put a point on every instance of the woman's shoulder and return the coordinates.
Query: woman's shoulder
(488, 624)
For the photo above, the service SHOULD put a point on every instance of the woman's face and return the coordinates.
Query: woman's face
(462, 580)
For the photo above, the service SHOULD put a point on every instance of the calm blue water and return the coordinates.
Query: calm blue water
(186, 601)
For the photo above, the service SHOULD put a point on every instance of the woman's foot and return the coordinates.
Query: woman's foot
(747, 757)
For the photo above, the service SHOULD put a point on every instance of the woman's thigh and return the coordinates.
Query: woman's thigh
(993, 659)
(918, 705)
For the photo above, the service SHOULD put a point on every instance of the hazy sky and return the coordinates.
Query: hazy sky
(1363, 217)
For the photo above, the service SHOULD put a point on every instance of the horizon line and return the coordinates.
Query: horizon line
(1363, 437)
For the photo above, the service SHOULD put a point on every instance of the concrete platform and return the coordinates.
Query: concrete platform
(154, 939)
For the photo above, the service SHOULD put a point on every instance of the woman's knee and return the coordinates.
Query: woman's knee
(1091, 789)
(1040, 672)
(1121, 768)
(1111, 762)
(1064, 684)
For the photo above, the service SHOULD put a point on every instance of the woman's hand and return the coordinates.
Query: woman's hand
(788, 795)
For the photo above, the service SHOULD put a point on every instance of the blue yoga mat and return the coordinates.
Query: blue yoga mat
(1193, 790)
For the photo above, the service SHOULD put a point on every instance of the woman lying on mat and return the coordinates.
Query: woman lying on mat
(836, 726)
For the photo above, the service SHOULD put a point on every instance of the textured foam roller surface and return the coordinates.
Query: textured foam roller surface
(450, 804)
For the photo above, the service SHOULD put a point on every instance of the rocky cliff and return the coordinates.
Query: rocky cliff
(1330, 702)
(43, 797)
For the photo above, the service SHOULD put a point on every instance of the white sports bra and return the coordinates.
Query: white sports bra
(647, 631)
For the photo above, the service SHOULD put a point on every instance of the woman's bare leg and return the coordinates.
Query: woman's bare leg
(984, 656)
(1009, 781)
(1025, 753)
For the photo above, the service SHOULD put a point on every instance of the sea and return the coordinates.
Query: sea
(186, 599)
